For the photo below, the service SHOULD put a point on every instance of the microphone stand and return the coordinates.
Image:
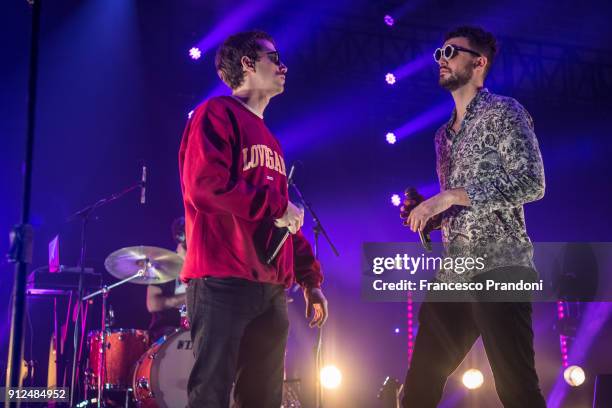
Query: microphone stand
(318, 229)
(85, 214)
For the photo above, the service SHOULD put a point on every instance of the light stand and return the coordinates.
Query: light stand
(21, 245)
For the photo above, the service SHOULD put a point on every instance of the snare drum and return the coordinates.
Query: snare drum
(123, 348)
(161, 374)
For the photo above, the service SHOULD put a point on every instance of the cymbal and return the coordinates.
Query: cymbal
(160, 265)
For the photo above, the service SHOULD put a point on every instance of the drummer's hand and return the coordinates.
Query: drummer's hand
(315, 300)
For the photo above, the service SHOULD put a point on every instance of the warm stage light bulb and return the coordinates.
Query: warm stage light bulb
(331, 377)
(472, 379)
(574, 376)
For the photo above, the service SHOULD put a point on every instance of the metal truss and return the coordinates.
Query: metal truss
(536, 70)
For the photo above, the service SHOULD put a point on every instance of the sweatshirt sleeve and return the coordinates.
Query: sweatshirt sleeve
(210, 172)
(522, 177)
(307, 268)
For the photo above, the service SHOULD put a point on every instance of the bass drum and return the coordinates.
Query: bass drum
(161, 374)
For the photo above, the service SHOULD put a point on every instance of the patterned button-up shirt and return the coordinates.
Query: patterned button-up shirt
(495, 157)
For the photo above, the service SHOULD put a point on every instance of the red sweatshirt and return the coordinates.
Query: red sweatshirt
(234, 184)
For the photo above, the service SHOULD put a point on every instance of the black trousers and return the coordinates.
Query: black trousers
(239, 329)
(447, 332)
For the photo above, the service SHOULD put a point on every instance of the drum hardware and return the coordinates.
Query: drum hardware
(143, 383)
(184, 317)
(101, 360)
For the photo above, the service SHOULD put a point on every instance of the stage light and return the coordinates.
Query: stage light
(396, 200)
(574, 376)
(410, 328)
(390, 138)
(190, 114)
(331, 377)
(389, 20)
(390, 78)
(472, 379)
(397, 330)
(195, 53)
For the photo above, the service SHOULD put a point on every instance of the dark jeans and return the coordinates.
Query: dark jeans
(239, 329)
(447, 332)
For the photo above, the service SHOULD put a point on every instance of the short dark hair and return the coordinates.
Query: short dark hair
(227, 60)
(480, 40)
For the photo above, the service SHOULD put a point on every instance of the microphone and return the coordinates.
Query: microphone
(143, 186)
(425, 239)
(290, 177)
(280, 234)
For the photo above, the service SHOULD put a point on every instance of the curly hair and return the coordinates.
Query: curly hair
(227, 59)
(480, 40)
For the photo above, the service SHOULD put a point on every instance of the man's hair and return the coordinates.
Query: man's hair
(480, 40)
(227, 60)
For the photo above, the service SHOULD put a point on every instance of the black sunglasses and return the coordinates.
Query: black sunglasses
(450, 51)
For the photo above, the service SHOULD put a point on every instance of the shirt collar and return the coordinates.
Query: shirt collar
(247, 106)
(481, 95)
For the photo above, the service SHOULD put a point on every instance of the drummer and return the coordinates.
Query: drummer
(165, 300)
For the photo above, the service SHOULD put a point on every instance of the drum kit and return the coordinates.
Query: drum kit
(123, 361)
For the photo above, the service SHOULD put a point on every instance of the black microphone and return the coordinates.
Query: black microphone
(425, 240)
(143, 186)
(413, 194)
(280, 234)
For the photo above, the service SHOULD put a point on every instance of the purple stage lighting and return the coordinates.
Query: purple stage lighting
(432, 116)
(412, 67)
(389, 20)
(396, 200)
(397, 330)
(390, 138)
(195, 53)
(410, 328)
(390, 78)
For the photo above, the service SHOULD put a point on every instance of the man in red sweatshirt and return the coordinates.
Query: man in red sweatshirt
(234, 184)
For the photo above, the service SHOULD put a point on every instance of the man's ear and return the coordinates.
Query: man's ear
(481, 62)
(247, 64)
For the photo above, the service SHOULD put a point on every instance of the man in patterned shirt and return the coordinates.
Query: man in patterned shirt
(489, 165)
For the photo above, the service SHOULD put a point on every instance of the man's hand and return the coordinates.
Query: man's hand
(418, 217)
(293, 218)
(315, 300)
(411, 200)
